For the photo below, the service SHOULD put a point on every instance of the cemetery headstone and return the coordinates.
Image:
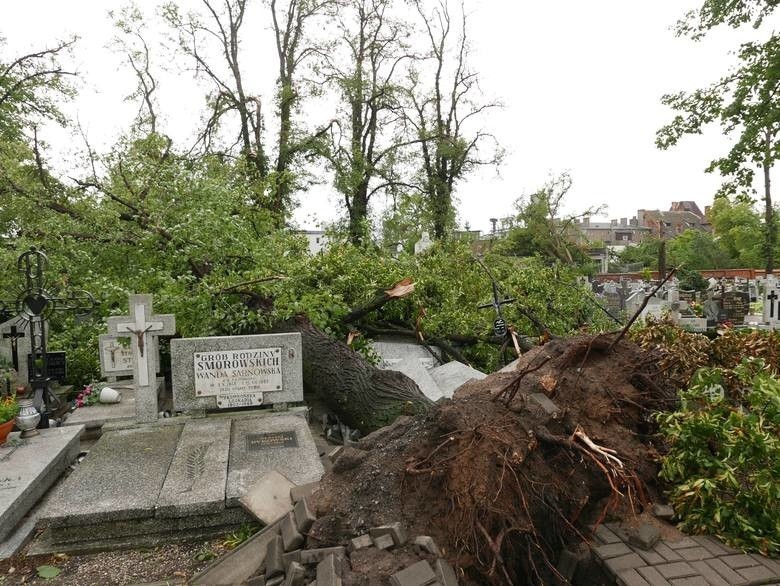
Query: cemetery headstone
(712, 311)
(736, 305)
(423, 244)
(56, 365)
(142, 326)
(15, 346)
(414, 360)
(116, 358)
(236, 371)
(613, 301)
(687, 296)
(771, 303)
(34, 306)
(260, 445)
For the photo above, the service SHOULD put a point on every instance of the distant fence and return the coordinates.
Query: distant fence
(750, 274)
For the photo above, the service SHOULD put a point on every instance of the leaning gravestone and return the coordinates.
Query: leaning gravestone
(142, 327)
(413, 360)
(261, 445)
(236, 371)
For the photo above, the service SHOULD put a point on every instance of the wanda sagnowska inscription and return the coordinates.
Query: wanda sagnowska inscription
(226, 372)
(238, 378)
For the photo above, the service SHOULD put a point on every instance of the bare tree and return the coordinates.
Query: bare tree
(290, 18)
(440, 113)
(228, 95)
(132, 44)
(366, 140)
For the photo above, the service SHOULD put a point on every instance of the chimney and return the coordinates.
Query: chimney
(613, 223)
(624, 221)
(586, 221)
(493, 221)
(634, 222)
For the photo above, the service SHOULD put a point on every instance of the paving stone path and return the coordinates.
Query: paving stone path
(690, 561)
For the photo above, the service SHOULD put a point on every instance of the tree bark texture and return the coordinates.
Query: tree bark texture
(361, 395)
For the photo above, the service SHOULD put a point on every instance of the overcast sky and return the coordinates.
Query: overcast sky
(580, 82)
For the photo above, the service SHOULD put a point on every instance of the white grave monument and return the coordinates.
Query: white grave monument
(423, 244)
(142, 327)
(771, 302)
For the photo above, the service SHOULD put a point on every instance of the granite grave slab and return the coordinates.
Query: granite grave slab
(451, 376)
(29, 467)
(195, 483)
(413, 360)
(122, 476)
(260, 445)
(236, 371)
(97, 415)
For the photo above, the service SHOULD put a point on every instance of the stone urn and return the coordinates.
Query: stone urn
(28, 417)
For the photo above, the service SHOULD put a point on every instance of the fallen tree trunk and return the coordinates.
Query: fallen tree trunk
(361, 395)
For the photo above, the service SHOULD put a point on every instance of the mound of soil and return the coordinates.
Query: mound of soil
(514, 468)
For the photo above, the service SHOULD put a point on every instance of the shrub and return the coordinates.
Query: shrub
(724, 458)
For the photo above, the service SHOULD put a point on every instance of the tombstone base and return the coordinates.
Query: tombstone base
(29, 468)
(96, 416)
(177, 480)
(138, 533)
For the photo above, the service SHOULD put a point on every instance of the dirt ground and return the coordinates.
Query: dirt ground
(501, 484)
(173, 564)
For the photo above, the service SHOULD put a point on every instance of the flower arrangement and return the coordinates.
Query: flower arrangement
(9, 407)
(88, 396)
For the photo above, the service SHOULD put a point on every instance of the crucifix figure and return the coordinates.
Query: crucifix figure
(142, 326)
(14, 336)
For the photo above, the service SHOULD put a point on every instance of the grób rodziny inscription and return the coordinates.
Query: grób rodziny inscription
(238, 378)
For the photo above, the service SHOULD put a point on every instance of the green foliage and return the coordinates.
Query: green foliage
(8, 408)
(541, 230)
(692, 280)
(724, 457)
(47, 572)
(698, 250)
(743, 103)
(239, 536)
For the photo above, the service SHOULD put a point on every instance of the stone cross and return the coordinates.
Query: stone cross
(771, 305)
(142, 326)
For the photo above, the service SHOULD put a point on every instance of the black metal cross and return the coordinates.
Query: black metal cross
(34, 305)
(14, 335)
(499, 325)
(772, 298)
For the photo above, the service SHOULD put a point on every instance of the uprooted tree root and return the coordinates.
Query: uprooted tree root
(504, 484)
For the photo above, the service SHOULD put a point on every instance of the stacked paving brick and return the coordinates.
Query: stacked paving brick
(287, 564)
(638, 557)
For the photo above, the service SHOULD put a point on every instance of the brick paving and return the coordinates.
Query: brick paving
(690, 561)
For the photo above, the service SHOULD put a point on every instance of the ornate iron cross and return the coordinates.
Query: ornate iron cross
(499, 325)
(34, 305)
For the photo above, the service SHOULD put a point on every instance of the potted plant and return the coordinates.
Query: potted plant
(9, 407)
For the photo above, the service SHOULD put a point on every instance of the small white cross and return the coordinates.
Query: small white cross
(142, 327)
